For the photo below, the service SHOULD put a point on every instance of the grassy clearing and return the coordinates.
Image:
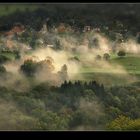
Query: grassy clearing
(130, 63)
(108, 79)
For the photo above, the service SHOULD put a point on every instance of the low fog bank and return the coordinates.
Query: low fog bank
(64, 64)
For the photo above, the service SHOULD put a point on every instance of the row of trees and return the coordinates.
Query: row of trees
(106, 56)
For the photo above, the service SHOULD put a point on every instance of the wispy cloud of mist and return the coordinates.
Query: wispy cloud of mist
(84, 47)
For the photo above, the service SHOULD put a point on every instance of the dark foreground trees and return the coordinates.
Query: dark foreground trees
(72, 106)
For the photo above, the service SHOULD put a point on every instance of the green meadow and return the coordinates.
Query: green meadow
(130, 65)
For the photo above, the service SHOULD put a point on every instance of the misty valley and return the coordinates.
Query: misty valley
(69, 67)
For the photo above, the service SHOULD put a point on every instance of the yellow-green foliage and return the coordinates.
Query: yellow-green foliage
(124, 123)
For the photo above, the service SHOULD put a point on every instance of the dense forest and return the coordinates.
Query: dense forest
(72, 106)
